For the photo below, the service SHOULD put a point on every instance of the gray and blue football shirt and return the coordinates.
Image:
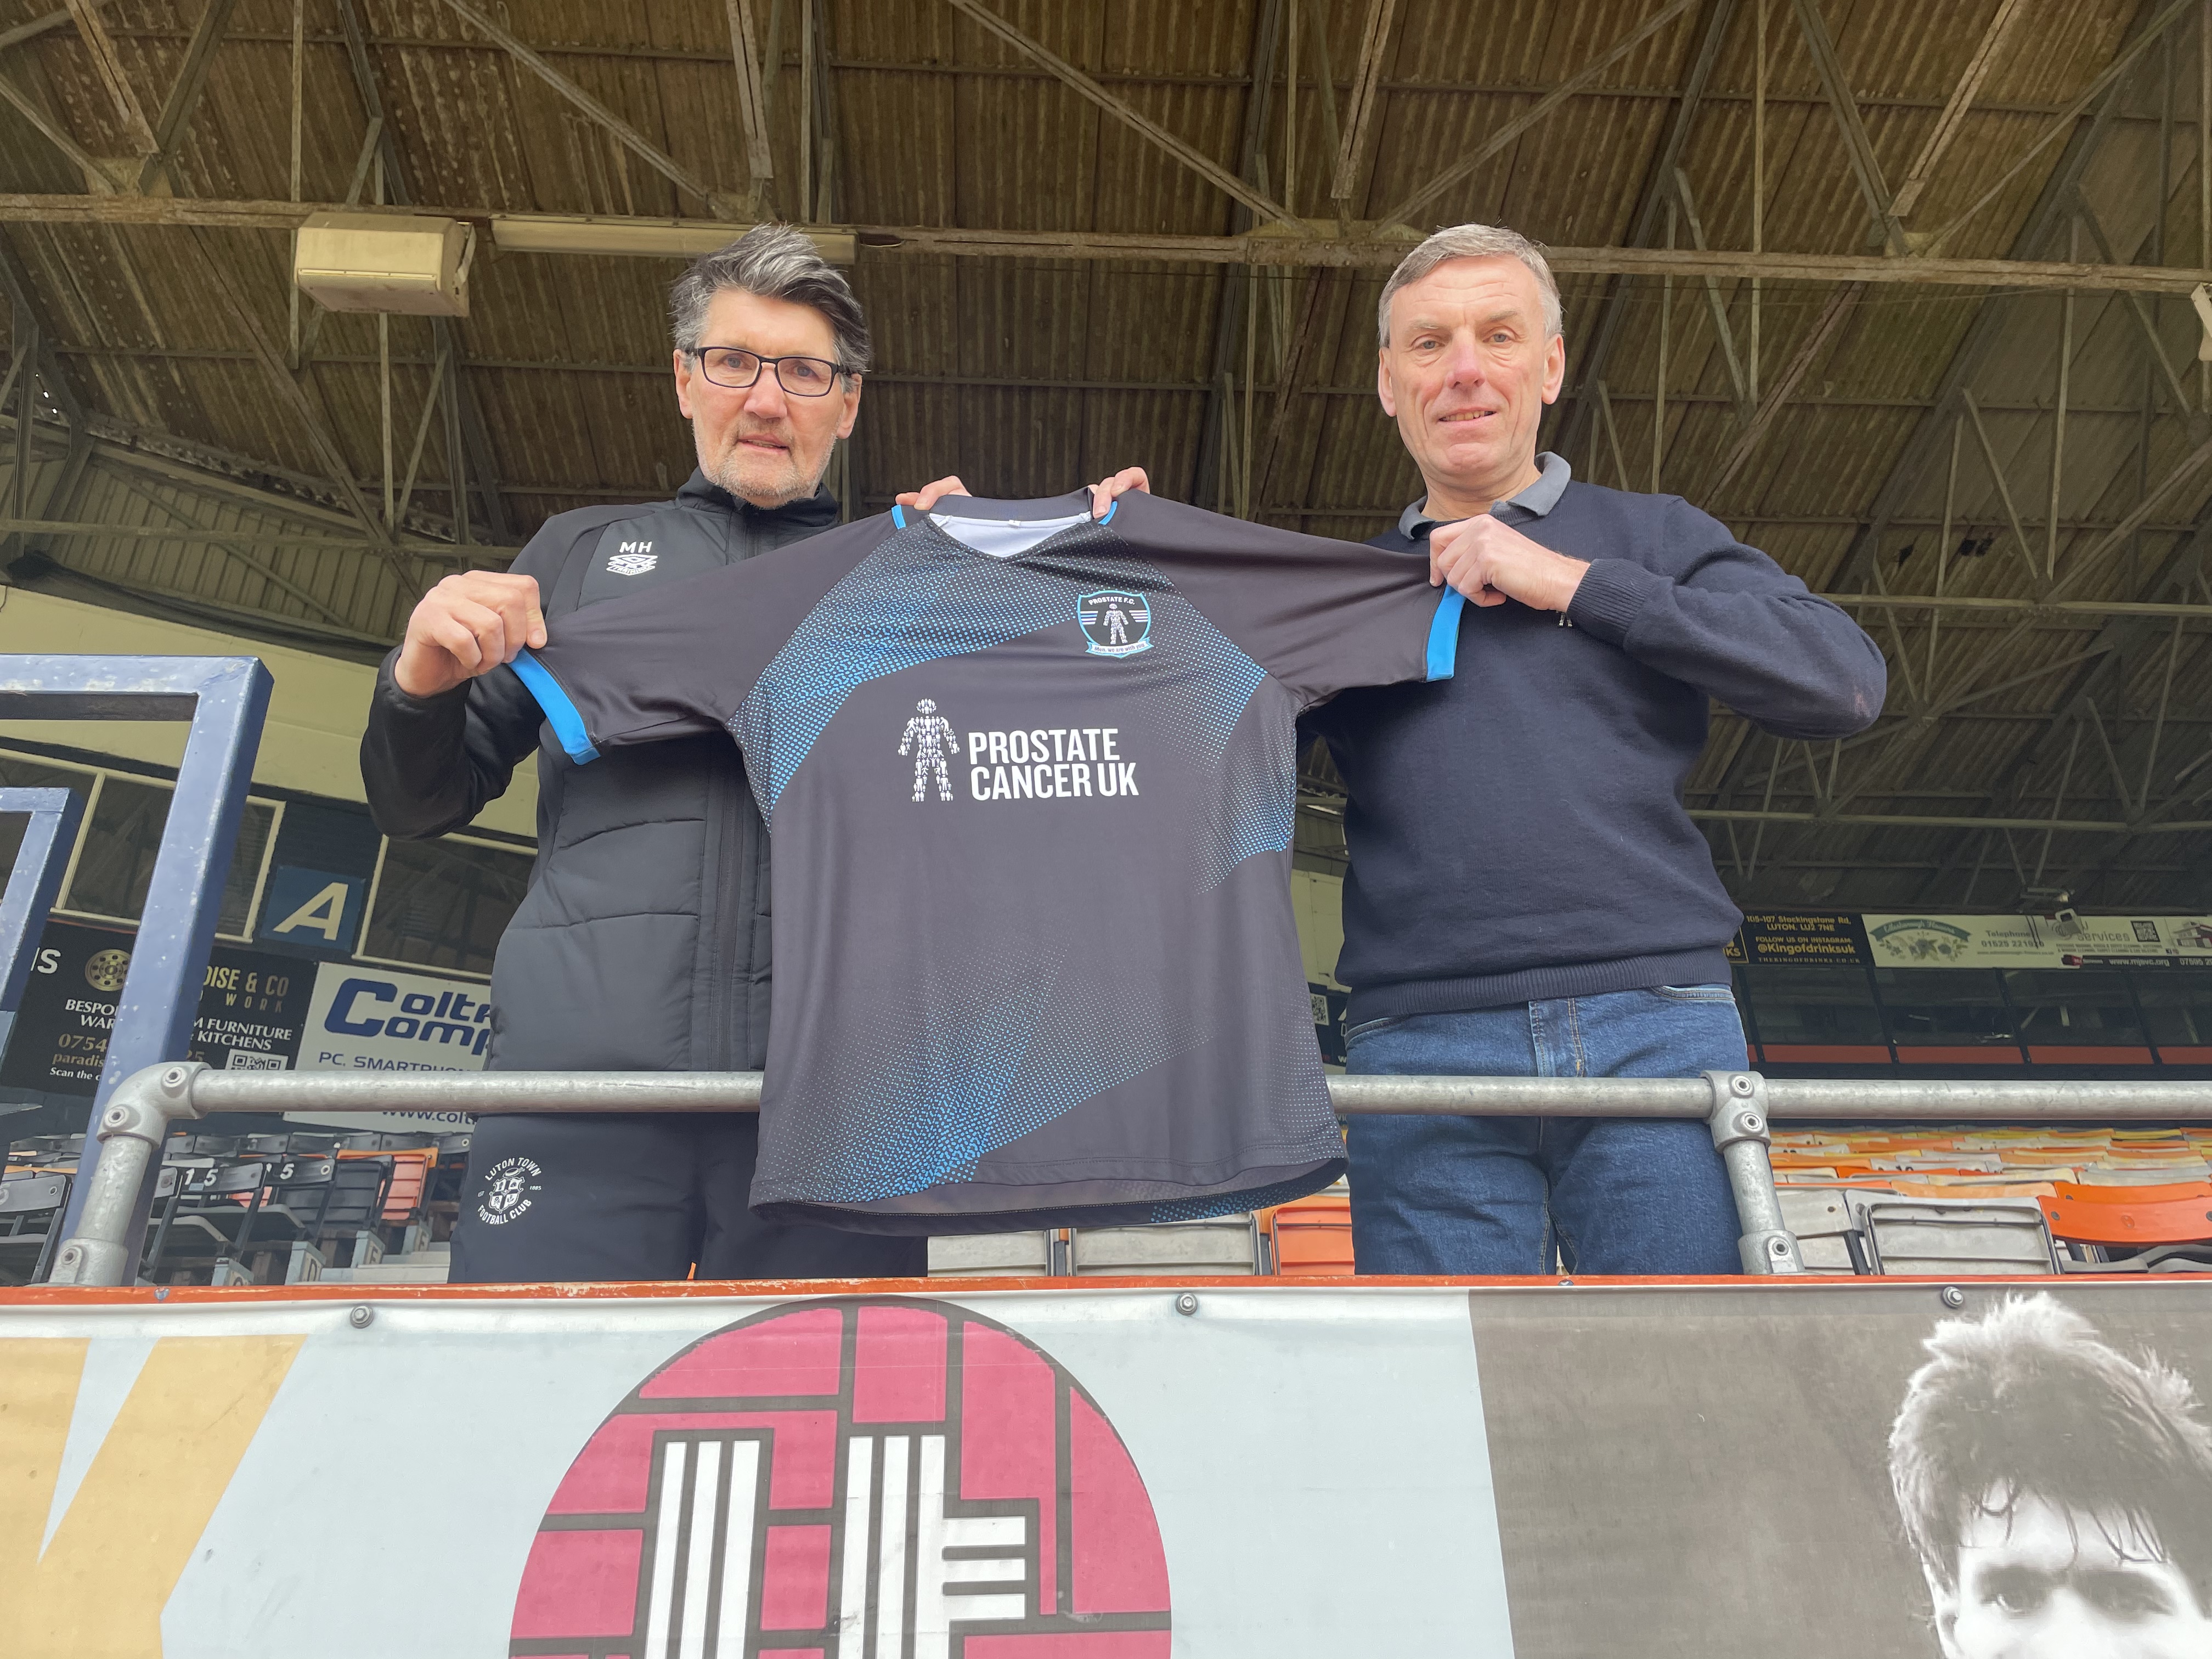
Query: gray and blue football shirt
(1031, 780)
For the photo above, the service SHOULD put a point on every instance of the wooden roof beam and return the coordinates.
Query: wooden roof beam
(1367, 98)
(475, 458)
(1371, 247)
(1208, 473)
(1809, 350)
(752, 97)
(176, 116)
(289, 394)
(1955, 109)
(2062, 123)
(1865, 167)
(1157, 136)
(1597, 355)
(1404, 212)
(1746, 408)
(50, 128)
(108, 66)
(46, 25)
(1367, 249)
(721, 206)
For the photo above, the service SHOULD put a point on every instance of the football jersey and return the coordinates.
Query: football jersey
(1030, 781)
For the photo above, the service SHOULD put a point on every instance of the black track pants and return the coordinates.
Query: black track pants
(641, 1198)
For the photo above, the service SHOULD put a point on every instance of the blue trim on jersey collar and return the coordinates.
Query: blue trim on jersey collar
(1443, 634)
(1112, 507)
(560, 714)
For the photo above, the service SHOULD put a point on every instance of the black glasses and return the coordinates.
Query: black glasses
(736, 368)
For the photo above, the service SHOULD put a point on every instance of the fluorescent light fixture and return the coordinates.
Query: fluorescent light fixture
(652, 239)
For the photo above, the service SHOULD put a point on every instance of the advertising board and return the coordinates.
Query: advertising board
(2069, 941)
(367, 1018)
(251, 1007)
(1727, 1470)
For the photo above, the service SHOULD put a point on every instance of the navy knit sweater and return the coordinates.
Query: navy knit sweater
(1517, 832)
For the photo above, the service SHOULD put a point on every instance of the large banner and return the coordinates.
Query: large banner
(252, 1006)
(1803, 937)
(1910, 941)
(1728, 1471)
(1010, 1475)
(1853, 1469)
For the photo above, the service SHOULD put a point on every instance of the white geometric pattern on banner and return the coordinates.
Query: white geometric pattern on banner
(878, 1469)
(704, 1481)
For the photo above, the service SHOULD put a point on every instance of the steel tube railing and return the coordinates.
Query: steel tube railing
(1799, 1099)
(1736, 1106)
(483, 1093)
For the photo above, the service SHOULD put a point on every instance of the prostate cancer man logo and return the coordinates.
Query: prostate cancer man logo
(929, 737)
(852, 1478)
(1116, 622)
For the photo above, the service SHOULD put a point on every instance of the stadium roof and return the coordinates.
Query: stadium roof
(1908, 308)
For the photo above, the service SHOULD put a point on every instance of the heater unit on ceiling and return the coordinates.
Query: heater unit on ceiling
(410, 264)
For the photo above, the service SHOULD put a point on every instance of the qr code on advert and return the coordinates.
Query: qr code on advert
(245, 1060)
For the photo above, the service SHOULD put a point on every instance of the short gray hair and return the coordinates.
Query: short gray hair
(1472, 242)
(777, 262)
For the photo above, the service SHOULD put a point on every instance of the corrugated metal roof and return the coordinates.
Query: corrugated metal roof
(1028, 376)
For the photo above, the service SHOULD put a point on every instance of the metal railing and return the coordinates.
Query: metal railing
(1736, 1106)
(225, 698)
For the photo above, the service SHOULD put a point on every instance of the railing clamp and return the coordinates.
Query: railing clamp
(1739, 1126)
(130, 1129)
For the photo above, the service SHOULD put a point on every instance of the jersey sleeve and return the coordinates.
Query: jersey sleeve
(1320, 616)
(677, 661)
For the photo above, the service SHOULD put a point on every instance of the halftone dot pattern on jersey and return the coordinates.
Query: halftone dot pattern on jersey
(1256, 811)
(1252, 1198)
(914, 599)
(1196, 705)
(983, 1054)
(919, 599)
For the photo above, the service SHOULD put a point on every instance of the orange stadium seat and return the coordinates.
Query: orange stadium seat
(1312, 1238)
(2168, 1232)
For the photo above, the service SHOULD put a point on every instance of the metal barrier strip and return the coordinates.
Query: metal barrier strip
(1822, 1098)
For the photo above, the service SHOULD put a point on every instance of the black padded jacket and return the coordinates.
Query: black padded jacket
(643, 943)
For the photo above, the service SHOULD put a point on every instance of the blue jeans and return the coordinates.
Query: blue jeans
(1500, 1195)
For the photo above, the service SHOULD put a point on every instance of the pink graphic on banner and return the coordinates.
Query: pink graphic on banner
(850, 1478)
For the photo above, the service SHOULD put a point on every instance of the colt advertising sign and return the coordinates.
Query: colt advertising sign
(1825, 1470)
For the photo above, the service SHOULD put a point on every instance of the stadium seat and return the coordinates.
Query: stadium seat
(406, 1191)
(1312, 1237)
(354, 1209)
(2168, 1193)
(30, 1224)
(1225, 1244)
(1938, 1236)
(1827, 1237)
(2103, 1234)
(998, 1255)
(223, 1213)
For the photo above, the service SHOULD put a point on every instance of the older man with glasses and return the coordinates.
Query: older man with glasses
(644, 942)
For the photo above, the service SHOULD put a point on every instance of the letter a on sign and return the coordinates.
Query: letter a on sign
(324, 913)
(317, 910)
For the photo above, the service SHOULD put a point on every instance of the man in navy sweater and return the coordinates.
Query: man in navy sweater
(1527, 895)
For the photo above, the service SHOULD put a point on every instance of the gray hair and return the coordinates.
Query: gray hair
(777, 262)
(1472, 242)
